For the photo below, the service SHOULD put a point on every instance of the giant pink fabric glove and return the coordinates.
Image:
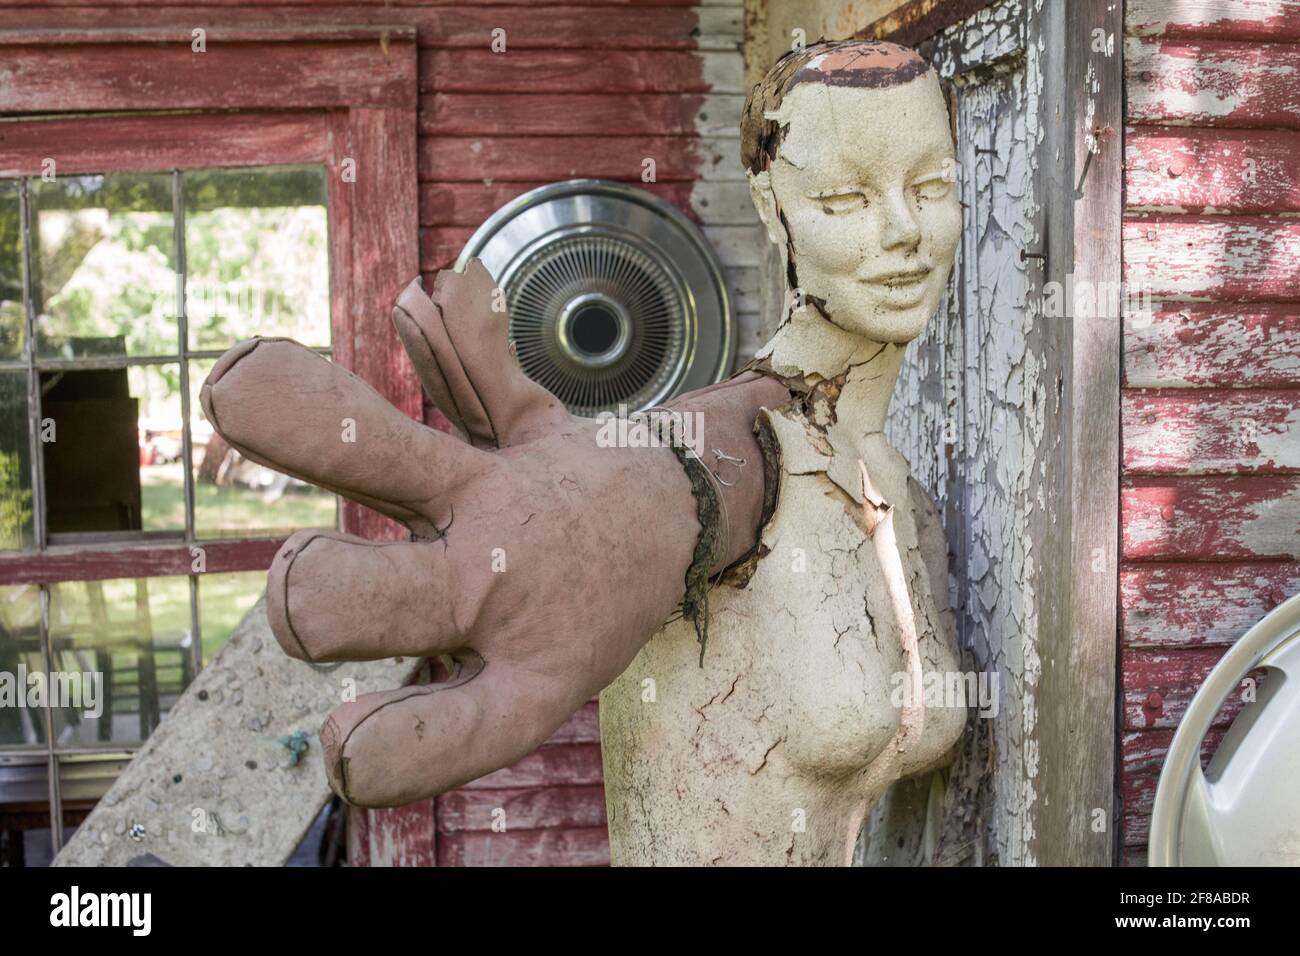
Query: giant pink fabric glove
(540, 561)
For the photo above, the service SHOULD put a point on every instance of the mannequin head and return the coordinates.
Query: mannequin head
(852, 170)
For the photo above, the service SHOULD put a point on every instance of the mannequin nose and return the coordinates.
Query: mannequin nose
(898, 227)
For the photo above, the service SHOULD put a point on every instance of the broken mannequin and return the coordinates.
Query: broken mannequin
(775, 750)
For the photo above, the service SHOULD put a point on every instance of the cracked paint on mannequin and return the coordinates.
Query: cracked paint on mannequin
(774, 751)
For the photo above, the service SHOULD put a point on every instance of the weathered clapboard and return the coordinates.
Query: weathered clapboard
(1211, 409)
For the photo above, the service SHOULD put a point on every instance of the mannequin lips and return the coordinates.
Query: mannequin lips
(901, 288)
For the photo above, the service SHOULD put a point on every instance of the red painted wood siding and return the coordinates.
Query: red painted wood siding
(1210, 496)
(586, 88)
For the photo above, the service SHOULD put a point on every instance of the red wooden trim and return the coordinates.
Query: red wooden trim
(577, 847)
(1237, 517)
(582, 728)
(301, 33)
(396, 836)
(568, 27)
(564, 71)
(155, 142)
(521, 808)
(1143, 754)
(1223, 258)
(1211, 431)
(1159, 685)
(1217, 170)
(568, 764)
(134, 561)
(1197, 604)
(1209, 83)
(440, 247)
(573, 114)
(243, 75)
(1208, 344)
(470, 203)
(528, 159)
(384, 239)
(373, 216)
(1234, 20)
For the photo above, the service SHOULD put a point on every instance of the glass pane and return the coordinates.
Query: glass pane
(17, 531)
(103, 252)
(235, 497)
(224, 600)
(256, 256)
(20, 656)
(112, 445)
(128, 643)
(11, 271)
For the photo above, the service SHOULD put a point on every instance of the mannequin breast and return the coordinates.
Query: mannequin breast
(797, 695)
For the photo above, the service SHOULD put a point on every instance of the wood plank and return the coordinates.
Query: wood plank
(578, 847)
(385, 239)
(1213, 83)
(1208, 344)
(736, 246)
(1213, 257)
(549, 765)
(577, 71)
(471, 203)
(1208, 518)
(1142, 754)
(1073, 704)
(582, 728)
(1200, 603)
(1211, 431)
(581, 114)
(567, 27)
(1159, 684)
(133, 76)
(1277, 20)
(135, 561)
(527, 808)
(162, 142)
(548, 158)
(394, 836)
(317, 4)
(1220, 171)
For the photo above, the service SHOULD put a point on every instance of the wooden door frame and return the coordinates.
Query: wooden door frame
(1073, 796)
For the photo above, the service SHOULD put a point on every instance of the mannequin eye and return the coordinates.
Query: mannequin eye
(934, 188)
(840, 201)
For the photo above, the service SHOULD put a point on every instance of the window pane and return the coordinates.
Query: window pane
(16, 514)
(129, 642)
(20, 655)
(113, 465)
(235, 497)
(11, 271)
(224, 600)
(103, 251)
(256, 256)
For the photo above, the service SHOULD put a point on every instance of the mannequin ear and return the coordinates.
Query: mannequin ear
(760, 191)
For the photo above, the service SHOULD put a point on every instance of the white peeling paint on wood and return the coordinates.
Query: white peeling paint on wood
(1156, 17)
(720, 198)
(975, 377)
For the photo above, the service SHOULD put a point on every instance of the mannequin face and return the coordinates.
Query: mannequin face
(863, 181)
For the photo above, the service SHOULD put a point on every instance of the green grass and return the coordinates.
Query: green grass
(229, 511)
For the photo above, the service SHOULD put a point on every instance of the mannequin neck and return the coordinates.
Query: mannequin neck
(810, 347)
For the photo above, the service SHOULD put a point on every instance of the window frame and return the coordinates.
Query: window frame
(145, 100)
